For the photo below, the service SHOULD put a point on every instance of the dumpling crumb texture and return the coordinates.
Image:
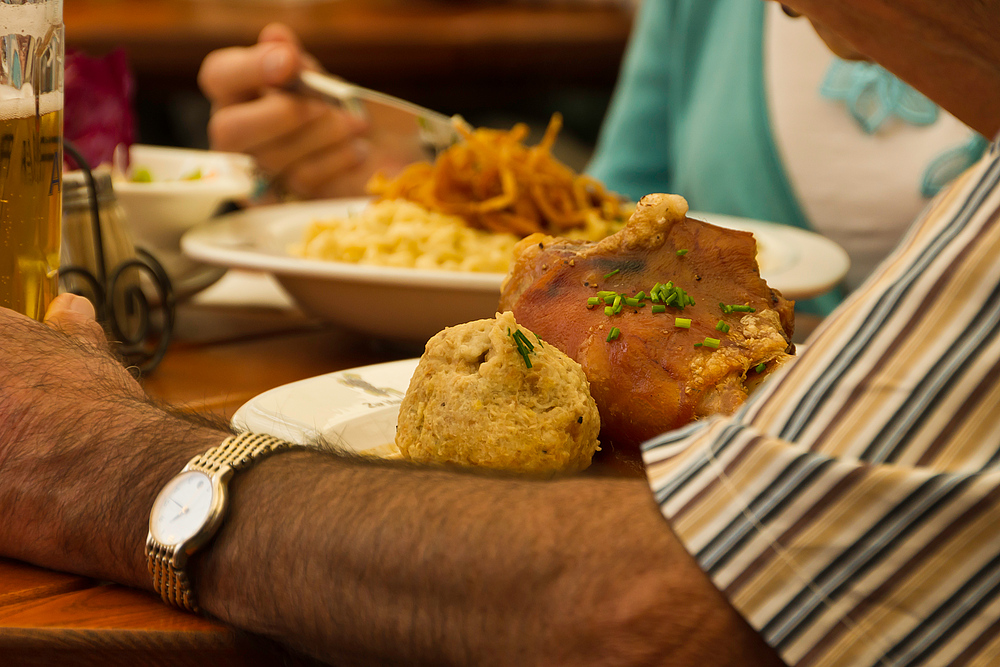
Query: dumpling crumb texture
(474, 401)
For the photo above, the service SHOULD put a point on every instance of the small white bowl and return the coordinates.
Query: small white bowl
(158, 212)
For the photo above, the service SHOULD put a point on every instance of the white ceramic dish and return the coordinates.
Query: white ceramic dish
(160, 211)
(394, 303)
(354, 410)
(414, 304)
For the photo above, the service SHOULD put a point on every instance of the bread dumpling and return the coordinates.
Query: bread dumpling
(490, 394)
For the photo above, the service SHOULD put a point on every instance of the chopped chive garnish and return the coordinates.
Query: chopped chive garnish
(524, 339)
(712, 343)
(736, 308)
(611, 273)
(682, 322)
(681, 253)
(524, 346)
(698, 344)
(722, 326)
(663, 295)
(613, 334)
(760, 367)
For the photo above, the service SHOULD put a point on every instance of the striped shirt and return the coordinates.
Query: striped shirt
(851, 509)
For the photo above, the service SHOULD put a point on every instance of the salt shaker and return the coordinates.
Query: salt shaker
(111, 278)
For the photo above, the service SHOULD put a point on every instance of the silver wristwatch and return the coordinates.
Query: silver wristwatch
(190, 508)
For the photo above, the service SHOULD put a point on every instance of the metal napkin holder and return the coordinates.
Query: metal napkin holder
(142, 327)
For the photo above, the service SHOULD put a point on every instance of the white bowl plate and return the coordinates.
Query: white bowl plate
(354, 410)
(387, 302)
(414, 304)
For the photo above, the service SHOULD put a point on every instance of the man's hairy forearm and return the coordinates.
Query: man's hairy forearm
(373, 564)
(352, 561)
(83, 452)
(94, 521)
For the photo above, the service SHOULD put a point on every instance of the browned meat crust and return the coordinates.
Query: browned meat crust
(654, 377)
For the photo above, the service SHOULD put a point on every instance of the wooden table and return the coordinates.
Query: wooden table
(220, 358)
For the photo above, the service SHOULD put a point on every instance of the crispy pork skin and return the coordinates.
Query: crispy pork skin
(655, 375)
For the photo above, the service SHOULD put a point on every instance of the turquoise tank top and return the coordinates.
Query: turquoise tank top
(689, 116)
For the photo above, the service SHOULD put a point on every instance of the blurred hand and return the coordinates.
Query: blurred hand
(309, 147)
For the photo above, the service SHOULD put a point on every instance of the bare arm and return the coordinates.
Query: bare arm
(351, 561)
(384, 563)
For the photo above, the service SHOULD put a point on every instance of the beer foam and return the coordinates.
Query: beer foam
(16, 103)
(30, 19)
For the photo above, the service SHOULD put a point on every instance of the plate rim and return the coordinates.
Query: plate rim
(283, 426)
(197, 243)
(237, 182)
(202, 243)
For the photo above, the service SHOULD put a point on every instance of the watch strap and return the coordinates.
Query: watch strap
(237, 452)
(171, 583)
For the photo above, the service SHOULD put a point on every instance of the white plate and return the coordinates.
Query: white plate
(414, 304)
(354, 410)
(388, 302)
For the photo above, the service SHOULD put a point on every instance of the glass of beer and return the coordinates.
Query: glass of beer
(31, 103)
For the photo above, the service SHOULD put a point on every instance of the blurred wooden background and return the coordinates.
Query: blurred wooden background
(493, 62)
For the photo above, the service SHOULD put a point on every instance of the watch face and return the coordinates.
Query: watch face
(182, 508)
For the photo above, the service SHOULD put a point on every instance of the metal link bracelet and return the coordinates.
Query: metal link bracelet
(166, 562)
